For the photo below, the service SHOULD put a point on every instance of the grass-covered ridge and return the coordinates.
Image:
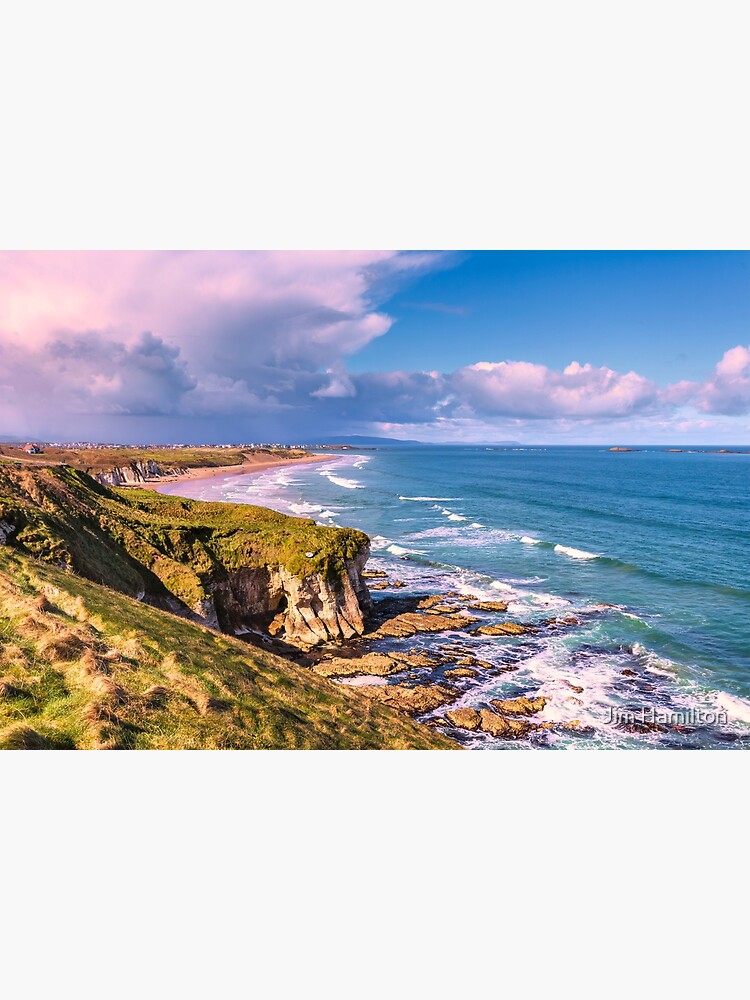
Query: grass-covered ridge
(138, 541)
(93, 460)
(82, 666)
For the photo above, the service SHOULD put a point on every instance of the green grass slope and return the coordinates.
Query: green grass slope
(136, 540)
(83, 666)
(94, 460)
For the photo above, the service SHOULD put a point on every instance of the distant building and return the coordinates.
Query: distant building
(32, 449)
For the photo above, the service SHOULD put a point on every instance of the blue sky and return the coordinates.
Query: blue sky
(667, 315)
(539, 347)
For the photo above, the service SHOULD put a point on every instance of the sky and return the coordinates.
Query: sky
(439, 346)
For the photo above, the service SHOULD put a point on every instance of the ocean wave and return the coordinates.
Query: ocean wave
(379, 542)
(304, 508)
(399, 550)
(528, 540)
(457, 517)
(476, 524)
(568, 550)
(430, 498)
(347, 484)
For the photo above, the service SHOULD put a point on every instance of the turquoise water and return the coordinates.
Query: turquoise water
(664, 538)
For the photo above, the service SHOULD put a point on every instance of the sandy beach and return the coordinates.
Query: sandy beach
(253, 463)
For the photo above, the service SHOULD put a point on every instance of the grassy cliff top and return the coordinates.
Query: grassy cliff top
(138, 541)
(82, 666)
(95, 460)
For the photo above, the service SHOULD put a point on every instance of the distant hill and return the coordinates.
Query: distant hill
(364, 442)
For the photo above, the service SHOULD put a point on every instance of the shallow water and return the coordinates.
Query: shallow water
(665, 538)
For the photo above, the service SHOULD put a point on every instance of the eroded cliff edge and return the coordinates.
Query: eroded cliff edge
(233, 567)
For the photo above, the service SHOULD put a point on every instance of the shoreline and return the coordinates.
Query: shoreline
(261, 464)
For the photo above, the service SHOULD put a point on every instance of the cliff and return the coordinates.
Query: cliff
(232, 567)
(137, 472)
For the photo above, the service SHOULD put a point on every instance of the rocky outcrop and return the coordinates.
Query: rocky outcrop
(519, 706)
(412, 700)
(506, 628)
(136, 472)
(412, 623)
(305, 611)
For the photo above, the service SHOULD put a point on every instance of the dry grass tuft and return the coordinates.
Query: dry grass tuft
(23, 737)
(9, 690)
(156, 696)
(63, 646)
(43, 604)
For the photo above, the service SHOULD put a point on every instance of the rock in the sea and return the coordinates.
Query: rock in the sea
(575, 687)
(506, 628)
(461, 672)
(416, 659)
(374, 574)
(489, 606)
(377, 664)
(412, 700)
(519, 706)
(431, 601)
(513, 729)
(627, 672)
(464, 718)
(412, 623)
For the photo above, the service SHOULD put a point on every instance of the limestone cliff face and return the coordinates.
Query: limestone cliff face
(305, 611)
(136, 472)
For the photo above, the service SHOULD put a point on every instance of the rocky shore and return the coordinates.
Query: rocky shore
(396, 661)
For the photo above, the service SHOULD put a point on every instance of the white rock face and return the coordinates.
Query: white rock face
(315, 609)
(136, 472)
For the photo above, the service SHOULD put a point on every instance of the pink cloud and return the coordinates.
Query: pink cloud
(726, 391)
(523, 389)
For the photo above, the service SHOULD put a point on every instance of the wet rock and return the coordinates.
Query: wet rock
(506, 628)
(461, 672)
(519, 706)
(373, 574)
(627, 672)
(416, 659)
(575, 687)
(513, 729)
(464, 718)
(377, 664)
(489, 606)
(412, 700)
(412, 623)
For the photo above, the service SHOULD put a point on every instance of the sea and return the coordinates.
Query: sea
(646, 553)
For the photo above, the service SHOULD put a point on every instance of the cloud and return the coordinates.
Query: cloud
(248, 345)
(726, 391)
(522, 389)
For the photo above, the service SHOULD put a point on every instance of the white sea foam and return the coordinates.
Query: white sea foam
(428, 498)
(457, 517)
(379, 542)
(347, 484)
(399, 550)
(575, 553)
(304, 508)
(476, 524)
(738, 709)
(328, 513)
(528, 540)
